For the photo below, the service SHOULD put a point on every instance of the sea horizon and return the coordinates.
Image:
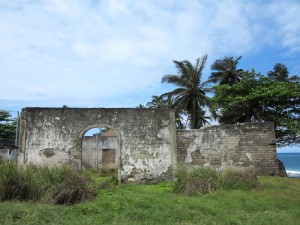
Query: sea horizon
(291, 163)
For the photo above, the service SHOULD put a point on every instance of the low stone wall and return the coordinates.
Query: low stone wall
(249, 145)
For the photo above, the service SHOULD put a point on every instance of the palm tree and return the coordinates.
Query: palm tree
(203, 119)
(281, 73)
(190, 96)
(140, 106)
(163, 102)
(158, 102)
(226, 71)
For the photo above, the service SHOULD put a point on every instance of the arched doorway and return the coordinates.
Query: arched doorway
(100, 149)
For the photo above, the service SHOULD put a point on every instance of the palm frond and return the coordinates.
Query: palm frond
(190, 96)
(202, 64)
(177, 80)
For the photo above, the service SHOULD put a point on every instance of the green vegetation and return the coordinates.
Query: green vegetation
(259, 98)
(202, 180)
(205, 180)
(7, 126)
(104, 178)
(59, 185)
(225, 71)
(237, 96)
(189, 97)
(277, 201)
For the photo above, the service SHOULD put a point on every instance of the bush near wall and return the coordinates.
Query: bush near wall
(206, 179)
(61, 185)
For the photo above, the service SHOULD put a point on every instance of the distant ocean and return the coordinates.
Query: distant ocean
(291, 162)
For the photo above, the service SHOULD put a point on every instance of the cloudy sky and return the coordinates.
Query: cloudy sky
(113, 53)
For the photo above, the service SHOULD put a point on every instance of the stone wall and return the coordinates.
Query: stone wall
(249, 145)
(147, 145)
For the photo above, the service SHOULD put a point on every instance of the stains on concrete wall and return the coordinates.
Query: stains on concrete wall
(250, 145)
(213, 147)
(147, 145)
(52, 156)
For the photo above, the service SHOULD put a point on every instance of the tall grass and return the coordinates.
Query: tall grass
(61, 185)
(203, 180)
(206, 179)
(239, 179)
(73, 188)
(20, 183)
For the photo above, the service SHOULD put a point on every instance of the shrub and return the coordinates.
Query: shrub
(63, 185)
(181, 178)
(202, 180)
(205, 180)
(73, 188)
(239, 179)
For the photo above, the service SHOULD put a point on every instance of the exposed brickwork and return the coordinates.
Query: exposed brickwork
(249, 145)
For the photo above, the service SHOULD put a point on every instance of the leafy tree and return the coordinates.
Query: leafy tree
(257, 98)
(225, 71)
(189, 96)
(7, 126)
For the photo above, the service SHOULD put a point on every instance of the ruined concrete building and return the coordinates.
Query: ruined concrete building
(143, 144)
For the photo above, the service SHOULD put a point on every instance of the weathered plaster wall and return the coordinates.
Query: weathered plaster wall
(249, 145)
(147, 146)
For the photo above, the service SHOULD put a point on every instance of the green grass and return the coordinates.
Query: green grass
(277, 201)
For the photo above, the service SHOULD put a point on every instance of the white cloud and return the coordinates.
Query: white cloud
(88, 50)
(287, 16)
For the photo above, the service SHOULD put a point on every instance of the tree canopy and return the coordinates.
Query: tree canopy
(225, 71)
(238, 96)
(257, 98)
(281, 73)
(7, 126)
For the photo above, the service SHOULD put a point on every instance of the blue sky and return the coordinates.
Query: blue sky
(113, 53)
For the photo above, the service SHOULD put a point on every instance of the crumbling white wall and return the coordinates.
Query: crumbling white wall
(147, 146)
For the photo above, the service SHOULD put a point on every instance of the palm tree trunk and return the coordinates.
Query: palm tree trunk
(194, 116)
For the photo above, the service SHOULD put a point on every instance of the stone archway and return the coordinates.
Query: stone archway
(107, 155)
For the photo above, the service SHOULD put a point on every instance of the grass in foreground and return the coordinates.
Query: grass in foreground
(276, 202)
